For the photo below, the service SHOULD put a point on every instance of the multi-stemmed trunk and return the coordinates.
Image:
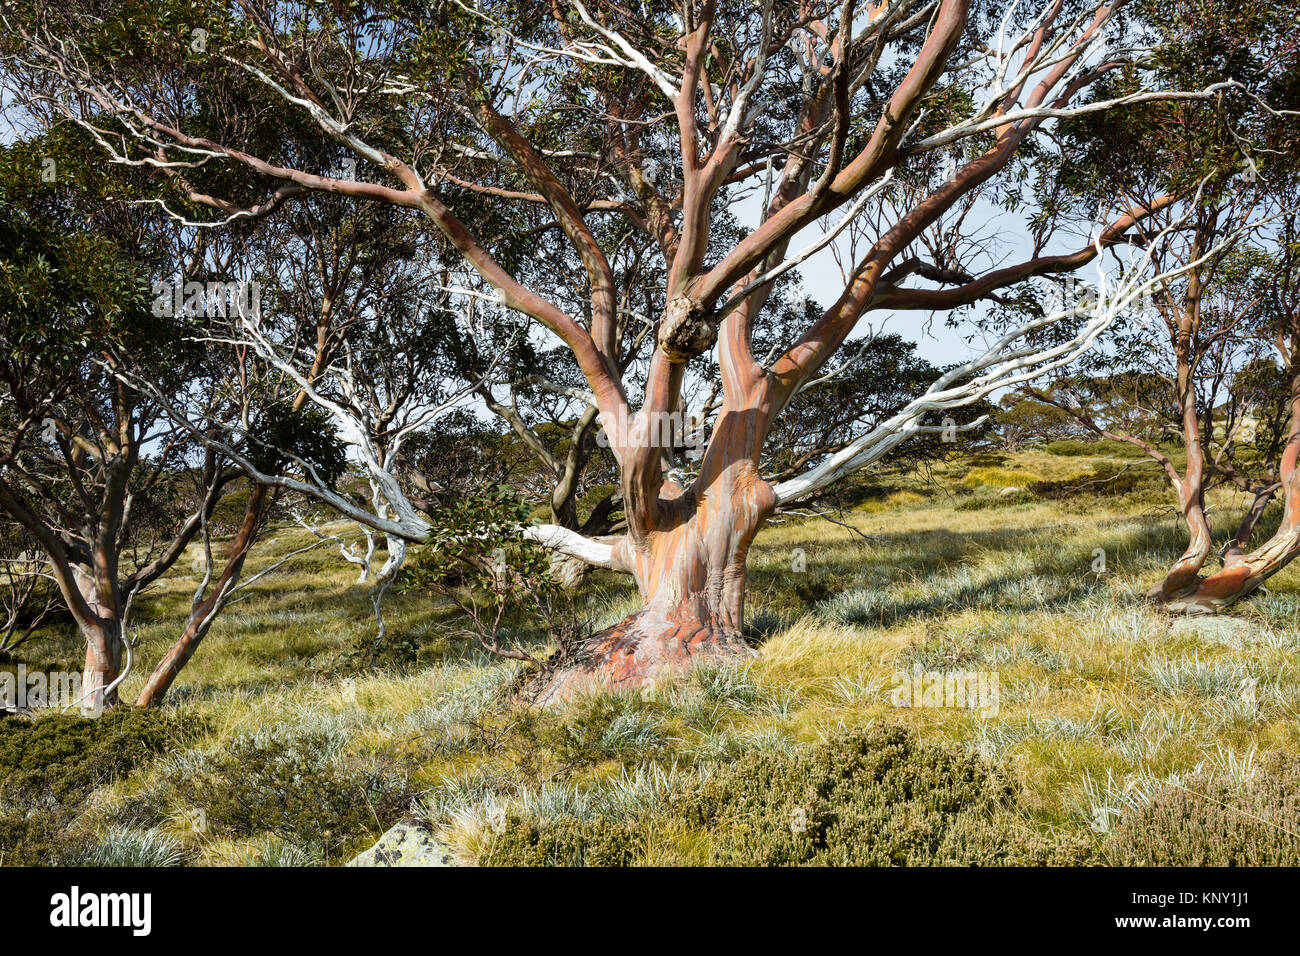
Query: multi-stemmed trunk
(1242, 574)
(688, 559)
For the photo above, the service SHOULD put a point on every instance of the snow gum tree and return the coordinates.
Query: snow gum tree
(530, 135)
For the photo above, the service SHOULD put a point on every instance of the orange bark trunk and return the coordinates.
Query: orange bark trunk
(690, 571)
(1242, 576)
(204, 609)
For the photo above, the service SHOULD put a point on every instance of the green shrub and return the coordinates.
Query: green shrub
(870, 798)
(562, 842)
(864, 798)
(1108, 448)
(50, 765)
(299, 788)
(42, 839)
(1216, 823)
(56, 761)
(1104, 479)
(1019, 497)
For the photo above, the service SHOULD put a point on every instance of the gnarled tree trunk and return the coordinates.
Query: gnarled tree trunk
(687, 551)
(1243, 575)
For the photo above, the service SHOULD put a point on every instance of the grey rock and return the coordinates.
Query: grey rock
(406, 845)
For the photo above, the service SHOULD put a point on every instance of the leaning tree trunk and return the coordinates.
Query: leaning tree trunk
(1242, 576)
(205, 607)
(1183, 575)
(1185, 572)
(690, 572)
(1236, 549)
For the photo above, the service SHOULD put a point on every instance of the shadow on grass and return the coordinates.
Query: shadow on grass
(904, 575)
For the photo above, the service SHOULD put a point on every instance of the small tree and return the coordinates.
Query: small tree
(1225, 174)
(478, 559)
(28, 596)
(78, 448)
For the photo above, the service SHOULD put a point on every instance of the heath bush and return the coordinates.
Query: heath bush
(870, 798)
(1216, 822)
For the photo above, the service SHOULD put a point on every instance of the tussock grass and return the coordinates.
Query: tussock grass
(1104, 702)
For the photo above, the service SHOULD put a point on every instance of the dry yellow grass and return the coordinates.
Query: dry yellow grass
(1100, 695)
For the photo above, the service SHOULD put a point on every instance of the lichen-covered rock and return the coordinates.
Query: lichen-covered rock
(405, 845)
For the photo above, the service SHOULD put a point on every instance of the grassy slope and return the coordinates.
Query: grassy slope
(1101, 696)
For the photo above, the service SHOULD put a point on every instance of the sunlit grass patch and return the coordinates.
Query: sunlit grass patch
(1105, 703)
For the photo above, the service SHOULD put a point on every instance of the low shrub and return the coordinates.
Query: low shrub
(563, 842)
(1017, 497)
(864, 798)
(56, 761)
(48, 766)
(41, 839)
(300, 788)
(1216, 823)
(1102, 448)
(1104, 479)
(874, 797)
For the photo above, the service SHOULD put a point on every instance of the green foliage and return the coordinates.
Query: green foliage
(49, 766)
(1216, 823)
(63, 293)
(869, 798)
(565, 842)
(306, 434)
(126, 846)
(880, 376)
(1021, 421)
(1074, 447)
(1000, 501)
(300, 789)
(461, 453)
(1104, 479)
(56, 761)
(395, 648)
(40, 839)
(477, 558)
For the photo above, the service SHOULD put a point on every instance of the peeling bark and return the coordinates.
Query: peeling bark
(689, 565)
(1183, 575)
(1243, 576)
(102, 631)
